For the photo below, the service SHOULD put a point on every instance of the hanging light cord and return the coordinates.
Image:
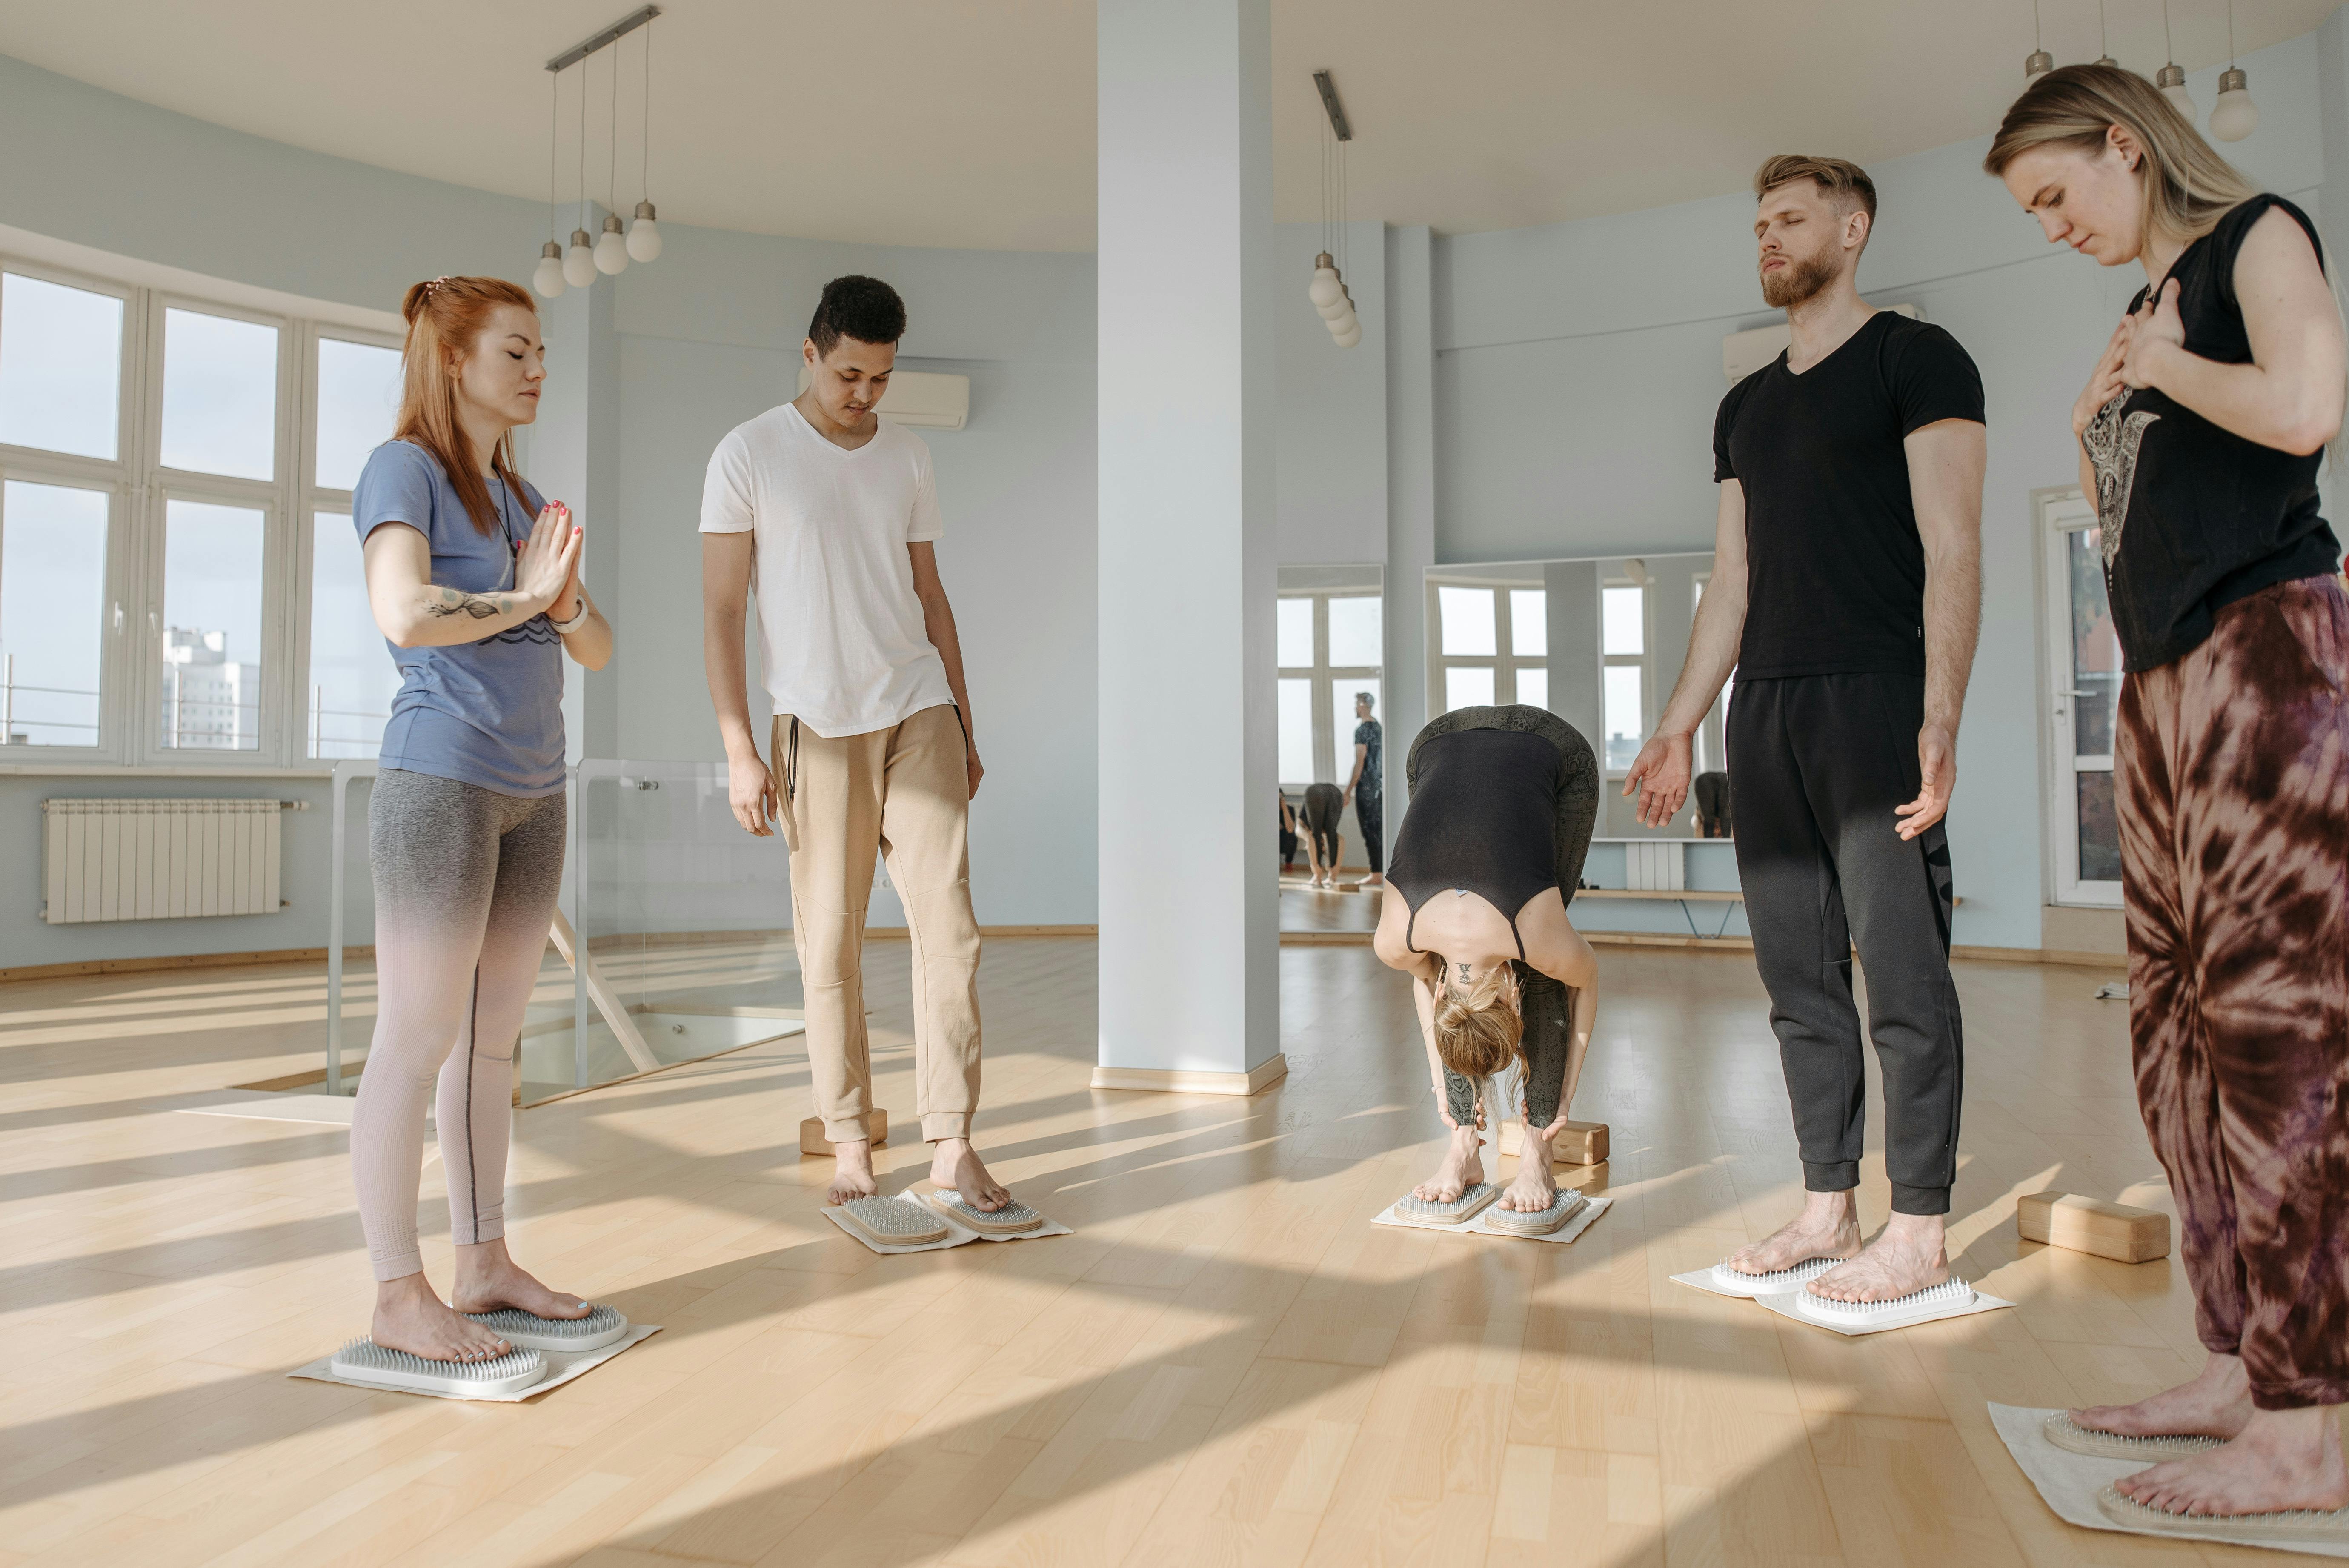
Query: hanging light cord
(553, 149)
(2104, 40)
(644, 157)
(582, 145)
(2037, 43)
(2231, 35)
(2167, 49)
(612, 164)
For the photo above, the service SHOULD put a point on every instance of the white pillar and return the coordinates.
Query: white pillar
(575, 456)
(1189, 822)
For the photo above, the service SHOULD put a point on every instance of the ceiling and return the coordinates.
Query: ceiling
(970, 123)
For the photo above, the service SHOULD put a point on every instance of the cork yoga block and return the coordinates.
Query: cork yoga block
(1582, 1143)
(2112, 1231)
(814, 1141)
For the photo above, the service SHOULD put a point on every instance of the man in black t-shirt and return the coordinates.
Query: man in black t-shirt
(1367, 786)
(1846, 593)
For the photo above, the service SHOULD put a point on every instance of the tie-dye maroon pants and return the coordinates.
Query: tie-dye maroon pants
(2233, 788)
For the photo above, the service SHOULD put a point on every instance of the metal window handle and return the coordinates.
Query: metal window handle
(118, 618)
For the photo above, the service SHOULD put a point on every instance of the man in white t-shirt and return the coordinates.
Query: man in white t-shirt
(871, 746)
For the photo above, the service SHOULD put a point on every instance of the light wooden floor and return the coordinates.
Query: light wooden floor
(1226, 1364)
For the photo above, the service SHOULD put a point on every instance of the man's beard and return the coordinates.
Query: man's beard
(1801, 278)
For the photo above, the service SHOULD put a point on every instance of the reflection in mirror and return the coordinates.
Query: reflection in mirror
(1330, 640)
(1599, 643)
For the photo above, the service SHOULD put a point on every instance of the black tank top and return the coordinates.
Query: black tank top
(2193, 516)
(1483, 817)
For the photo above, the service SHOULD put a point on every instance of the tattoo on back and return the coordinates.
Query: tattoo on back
(453, 602)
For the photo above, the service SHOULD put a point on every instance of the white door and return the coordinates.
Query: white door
(2083, 673)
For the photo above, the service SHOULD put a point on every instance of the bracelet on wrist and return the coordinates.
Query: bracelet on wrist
(578, 619)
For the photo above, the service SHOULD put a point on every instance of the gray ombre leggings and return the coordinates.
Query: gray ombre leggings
(465, 886)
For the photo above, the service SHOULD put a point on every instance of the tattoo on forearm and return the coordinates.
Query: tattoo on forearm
(481, 608)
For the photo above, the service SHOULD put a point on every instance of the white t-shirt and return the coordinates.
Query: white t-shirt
(845, 648)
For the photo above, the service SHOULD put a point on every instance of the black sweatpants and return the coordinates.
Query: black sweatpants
(1371, 812)
(1817, 764)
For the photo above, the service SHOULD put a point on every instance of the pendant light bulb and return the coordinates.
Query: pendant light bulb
(1350, 337)
(579, 262)
(548, 279)
(2171, 80)
(2235, 116)
(2037, 63)
(644, 234)
(1327, 288)
(611, 248)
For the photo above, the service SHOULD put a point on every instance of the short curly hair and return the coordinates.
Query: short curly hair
(865, 309)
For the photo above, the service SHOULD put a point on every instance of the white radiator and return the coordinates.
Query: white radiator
(1655, 865)
(159, 860)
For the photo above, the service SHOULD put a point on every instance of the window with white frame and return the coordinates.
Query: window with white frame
(1330, 645)
(1623, 673)
(2083, 665)
(1712, 748)
(179, 581)
(1491, 644)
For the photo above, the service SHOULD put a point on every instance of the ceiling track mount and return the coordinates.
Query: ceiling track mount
(1329, 90)
(611, 34)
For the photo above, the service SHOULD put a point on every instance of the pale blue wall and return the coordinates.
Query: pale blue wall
(717, 341)
(1578, 367)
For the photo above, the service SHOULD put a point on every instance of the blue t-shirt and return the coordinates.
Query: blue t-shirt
(487, 713)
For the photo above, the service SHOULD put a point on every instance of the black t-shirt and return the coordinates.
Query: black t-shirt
(1834, 569)
(2193, 516)
(1370, 734)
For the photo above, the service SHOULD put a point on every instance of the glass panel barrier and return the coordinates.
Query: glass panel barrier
(682, 920)
(684, 932)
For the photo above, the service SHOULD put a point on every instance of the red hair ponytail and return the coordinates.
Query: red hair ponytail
(442, 315)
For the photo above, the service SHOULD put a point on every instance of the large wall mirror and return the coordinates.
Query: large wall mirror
(1598, 642)
(1329, 642)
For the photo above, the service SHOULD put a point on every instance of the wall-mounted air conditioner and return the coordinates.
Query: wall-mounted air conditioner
(920, 398)
(1743, 353)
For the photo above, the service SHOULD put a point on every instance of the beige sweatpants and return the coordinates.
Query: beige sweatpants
(905, 793)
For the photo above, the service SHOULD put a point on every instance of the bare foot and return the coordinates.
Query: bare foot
(1904, 1259)
(2281, 1459)
(851, 1172)
(1535, 1187)
(1829, 1227)
(1463, 1168)
(408, 1316)
(2215, 1404)
(487, 1279)
(954, 1166)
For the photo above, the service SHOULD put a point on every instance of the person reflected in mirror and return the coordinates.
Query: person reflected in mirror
(1366, 786)
(1325, 807)
(2200, 433)
(870, 747)
(466, 826)
(1486, 861)
(1847, 593)
(1713, 818)
(1287, 833)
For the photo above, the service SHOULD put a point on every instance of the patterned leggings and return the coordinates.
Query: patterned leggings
(2233, 790)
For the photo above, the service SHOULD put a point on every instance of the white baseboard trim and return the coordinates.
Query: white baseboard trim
(1169, 1080)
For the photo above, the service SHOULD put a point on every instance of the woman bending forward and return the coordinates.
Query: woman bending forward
(1489, 851)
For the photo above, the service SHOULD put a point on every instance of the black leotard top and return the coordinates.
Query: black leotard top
(1483, 817)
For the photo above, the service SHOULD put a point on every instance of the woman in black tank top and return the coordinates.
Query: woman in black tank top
(1489, 851)
(2200, 433)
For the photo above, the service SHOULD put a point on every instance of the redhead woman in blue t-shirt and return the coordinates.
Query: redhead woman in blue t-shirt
(474, 580)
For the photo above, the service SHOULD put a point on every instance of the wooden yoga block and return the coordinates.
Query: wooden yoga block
(1582, 1143)
(2112, 1231)
(814, 1141)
